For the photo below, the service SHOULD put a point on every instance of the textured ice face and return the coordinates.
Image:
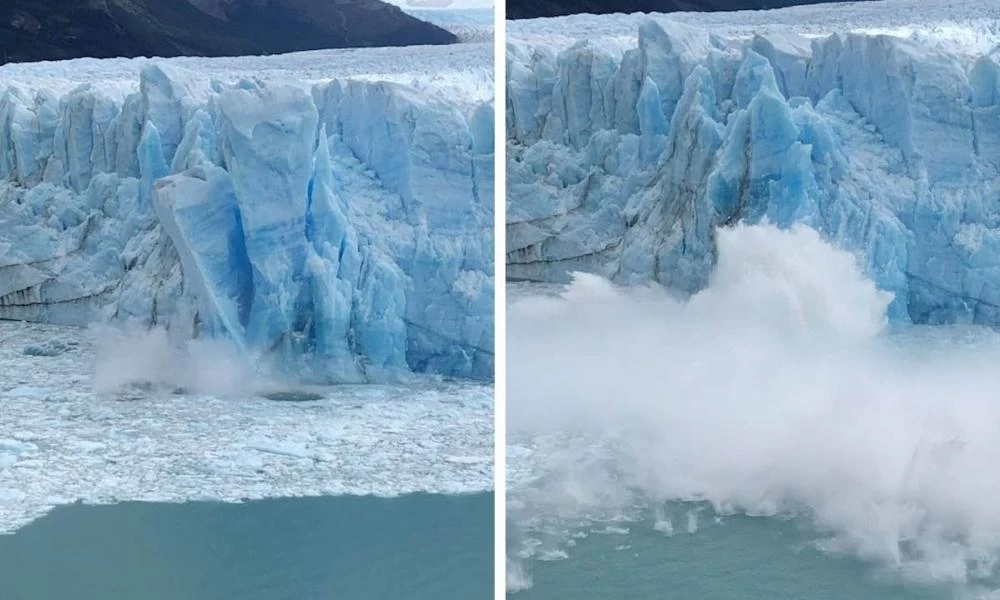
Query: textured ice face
(342, 226)
(632, 139)
(63, 442)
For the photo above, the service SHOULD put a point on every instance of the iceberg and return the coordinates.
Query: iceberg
(633, 138)
(337, 223)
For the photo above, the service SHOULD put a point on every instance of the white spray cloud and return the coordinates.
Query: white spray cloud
(127, 357)
(777, 390)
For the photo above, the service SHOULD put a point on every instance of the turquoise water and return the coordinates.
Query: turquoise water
(419, 547)
(740, 558)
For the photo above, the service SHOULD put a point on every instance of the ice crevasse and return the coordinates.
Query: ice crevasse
(341, 228)
(626, 153)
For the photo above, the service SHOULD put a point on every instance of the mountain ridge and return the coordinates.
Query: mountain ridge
(531, 9)
(39, 30)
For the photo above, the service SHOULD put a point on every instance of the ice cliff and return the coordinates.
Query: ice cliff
(341, 228)
(627, 150)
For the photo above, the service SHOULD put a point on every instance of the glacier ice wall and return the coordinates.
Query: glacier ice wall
(343, 228)
(624, 158)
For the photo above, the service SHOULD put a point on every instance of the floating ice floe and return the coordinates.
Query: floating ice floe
(65, 443)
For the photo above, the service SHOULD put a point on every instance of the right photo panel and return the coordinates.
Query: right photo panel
(753, 266)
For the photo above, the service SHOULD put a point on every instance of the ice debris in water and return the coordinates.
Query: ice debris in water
(61, 441)
(50, 348)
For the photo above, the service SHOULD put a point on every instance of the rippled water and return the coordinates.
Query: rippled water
(414, 547)
(687, 553)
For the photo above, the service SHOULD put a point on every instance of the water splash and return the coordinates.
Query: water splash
(776, 391)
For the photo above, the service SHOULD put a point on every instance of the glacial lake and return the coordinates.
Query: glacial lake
(413, 547)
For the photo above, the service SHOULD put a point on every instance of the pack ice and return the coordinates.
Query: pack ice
(331, 210)
(632, 138)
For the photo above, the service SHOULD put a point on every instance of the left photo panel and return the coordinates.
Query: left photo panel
(247, 299)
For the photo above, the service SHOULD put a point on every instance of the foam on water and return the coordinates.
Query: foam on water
(121, 416)
(777, 391)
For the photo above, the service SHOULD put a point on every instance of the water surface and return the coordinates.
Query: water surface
(738, 558)
(414, 547)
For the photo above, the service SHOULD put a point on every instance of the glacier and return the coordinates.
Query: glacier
(330, 213)
(632, 138)
(469, 24)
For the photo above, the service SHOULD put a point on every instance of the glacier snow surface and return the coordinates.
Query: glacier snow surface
(473, 24)
(329, 210)
(632, 138)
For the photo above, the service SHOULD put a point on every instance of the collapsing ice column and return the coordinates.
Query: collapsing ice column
(342, 229)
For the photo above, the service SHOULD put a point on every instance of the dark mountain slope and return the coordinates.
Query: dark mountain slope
(529, 9)
(33, 30)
